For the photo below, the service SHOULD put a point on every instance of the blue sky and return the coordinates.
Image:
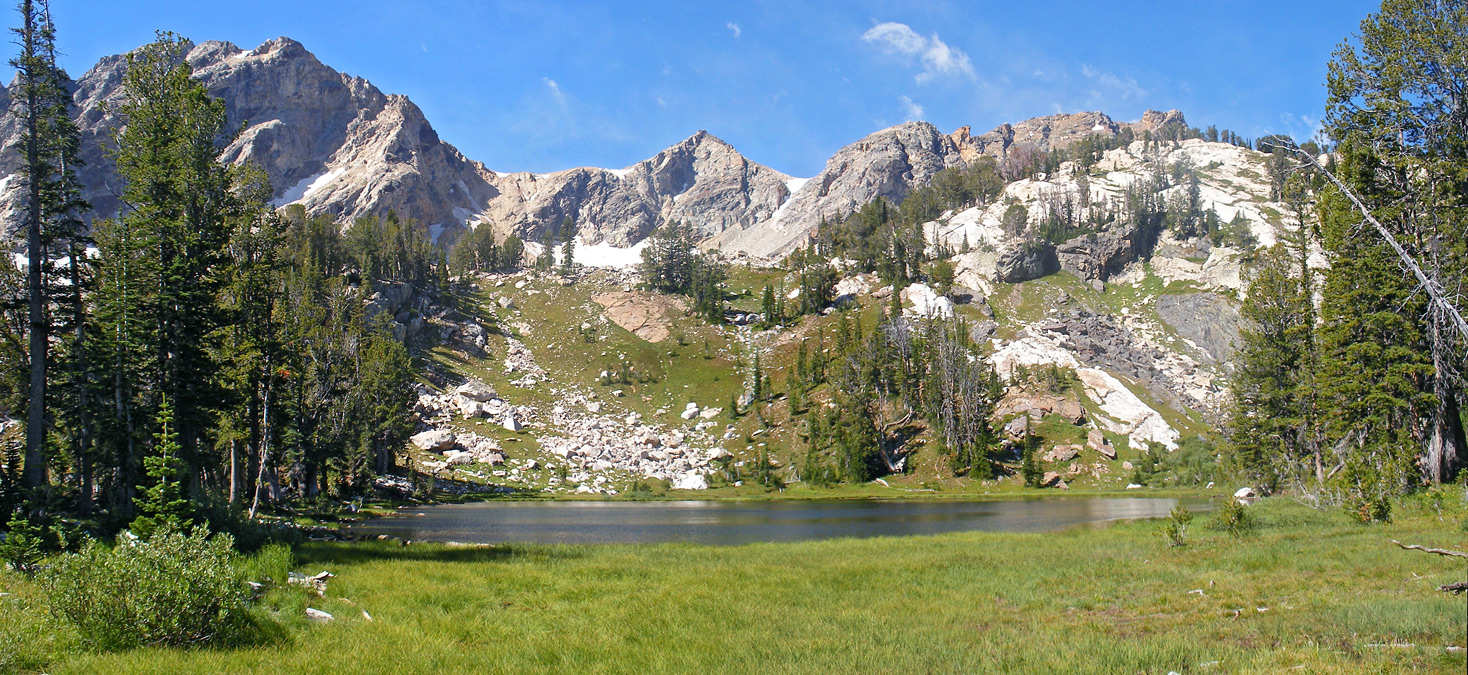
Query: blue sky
(525, 86)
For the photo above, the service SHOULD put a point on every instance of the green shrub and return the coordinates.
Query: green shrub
(173, 589)
(1175, 530)
(1030, 464)
(21, 546)
(1234, 518)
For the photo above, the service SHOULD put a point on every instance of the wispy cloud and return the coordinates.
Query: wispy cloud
(733, 28)
(937, 58)
(555, 90)
(1110, 85)
(910, 109)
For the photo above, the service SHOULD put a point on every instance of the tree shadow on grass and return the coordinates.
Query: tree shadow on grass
(316, 553)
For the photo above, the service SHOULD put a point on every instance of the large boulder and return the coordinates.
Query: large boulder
(1030, 260)
(475, 390)
(1098, 441)
(434, 440)
(690, 481)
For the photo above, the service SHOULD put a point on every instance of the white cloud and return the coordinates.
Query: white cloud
(733, 28)
(1111, 85)
(938, 58)
(911, 109)
(555, 90)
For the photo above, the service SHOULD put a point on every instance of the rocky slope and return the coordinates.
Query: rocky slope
(701, 180)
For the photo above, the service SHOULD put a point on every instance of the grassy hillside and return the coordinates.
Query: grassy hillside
(574, 342)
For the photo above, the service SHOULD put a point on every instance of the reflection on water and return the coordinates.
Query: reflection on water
(725, 523)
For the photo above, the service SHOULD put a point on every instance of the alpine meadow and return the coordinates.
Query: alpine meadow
(290, 383)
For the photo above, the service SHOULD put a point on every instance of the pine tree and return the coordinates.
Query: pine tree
(164, 259)
(1372, 352)
(568, 248)
(163, 504)
(35, 104)
(1395, 94)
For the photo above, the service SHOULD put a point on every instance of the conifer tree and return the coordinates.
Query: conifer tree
(568, 247)
(163, 504)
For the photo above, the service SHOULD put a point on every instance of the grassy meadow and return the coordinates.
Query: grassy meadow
(1305, 591)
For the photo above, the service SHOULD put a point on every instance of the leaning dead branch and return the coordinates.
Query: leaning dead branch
(1438, 551)
(1454, 588)
(1434, 290)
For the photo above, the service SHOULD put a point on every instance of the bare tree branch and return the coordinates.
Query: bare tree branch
(1434, 291)
(1439, 551)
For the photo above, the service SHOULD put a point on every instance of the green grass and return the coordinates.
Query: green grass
(1307, 590)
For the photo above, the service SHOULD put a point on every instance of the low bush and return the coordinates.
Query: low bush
(1175, 529)
(173, 589)
(1234, 518)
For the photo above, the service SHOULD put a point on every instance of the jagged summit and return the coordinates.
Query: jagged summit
(338, 145)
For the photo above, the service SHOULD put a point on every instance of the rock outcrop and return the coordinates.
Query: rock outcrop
(889, 163)
(701, 180)
(329, 141)
(1208, 320)
(1026, 261)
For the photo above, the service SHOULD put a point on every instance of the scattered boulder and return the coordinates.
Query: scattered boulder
(1063, 453)
(511, 423)
(1018, 427)
(1245, 494)
(1050, 479)
(1098, 441)
(690, 481)
(434, 440)
(474, 390)
(315, 583)
(318, 616)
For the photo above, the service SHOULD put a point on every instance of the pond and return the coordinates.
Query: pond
(744, 522)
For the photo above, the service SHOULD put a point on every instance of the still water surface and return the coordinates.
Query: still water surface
(730, 523)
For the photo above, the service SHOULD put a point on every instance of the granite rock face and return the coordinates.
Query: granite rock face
(701, 180)
(1209, 320)
(889, 163)
(1043, 134)
(329, 141)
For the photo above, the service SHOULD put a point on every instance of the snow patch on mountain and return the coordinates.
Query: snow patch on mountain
(308, 186)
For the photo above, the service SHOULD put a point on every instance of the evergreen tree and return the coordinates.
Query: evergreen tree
(1395, 98)
(568, 248)
(51, 203)
(163, 504)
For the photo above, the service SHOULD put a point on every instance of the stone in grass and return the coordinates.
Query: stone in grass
(690, 481)
(1063, 453)
(690, 413)
(318, 616)
(1050, 478)
(512, 424)
(475, 390)
(435, 440)
(1097, 441)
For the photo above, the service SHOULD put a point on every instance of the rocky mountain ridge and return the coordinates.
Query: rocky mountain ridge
(338, 145)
